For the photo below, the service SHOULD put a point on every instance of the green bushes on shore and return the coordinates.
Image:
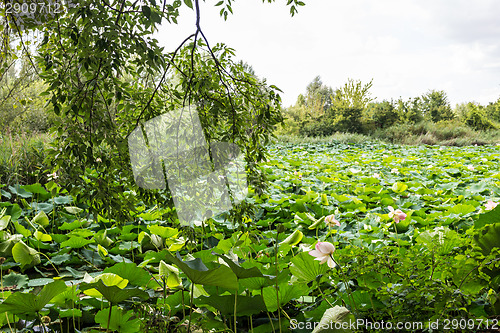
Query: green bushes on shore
(427, 119)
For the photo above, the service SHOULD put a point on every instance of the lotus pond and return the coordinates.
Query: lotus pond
(402, 234)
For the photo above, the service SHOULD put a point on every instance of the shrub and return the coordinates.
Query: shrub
(450, 129)
(347, 119)
(435, 106)
(316, 128)
(379, 115)
(477, 119)
(493, 111)
(409, 111)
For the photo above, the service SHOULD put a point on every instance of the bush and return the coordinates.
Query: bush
(379, 115)
(449, 133)
(493, 111)
(409, 111)
(477, 119)
(436, 107)
(450, 129)
(317, 128)
(347, 119)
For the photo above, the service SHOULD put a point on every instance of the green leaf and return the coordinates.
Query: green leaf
(399, 187)
(39, 282)
(245, 305)
(294, 238)
(188, 3)
(42, 237)
(242, 273)
(42, 206)
(18, 281)
(324, 199)
(171, 273)
(102, 251)
(490, 217)
(63, 200)
(21, 229)
(7, 245)
(37, 188)
(113, 293)
(488, 238)
(14, 211)
(4, 221)
(41, 219)
(19, 191)
(163, 232)
(120, 320)
(67, 313)
(135, 275)
(461, 209)
(60, 258)
(174, 303)
(26, 303)
(257, 283)
(287, 292)
(109, 279)
(305, 268)
(72, 226)
(441, 238)
(76, 242)
(198, 273)
(146, 10)
(319, 223)
(469, 284)
(25, 255)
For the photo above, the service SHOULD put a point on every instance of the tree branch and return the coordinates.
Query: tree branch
(162, 79)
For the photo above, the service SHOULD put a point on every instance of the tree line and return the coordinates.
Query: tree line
(322, 111)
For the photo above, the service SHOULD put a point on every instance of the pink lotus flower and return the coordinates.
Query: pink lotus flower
(396, 171)
(323, 253)
(397, 214)
(490, 205)
(331, 221)
(470, 167)
(376, 175)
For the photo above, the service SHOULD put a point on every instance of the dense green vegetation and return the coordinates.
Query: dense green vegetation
(440, 262)
(323, 111)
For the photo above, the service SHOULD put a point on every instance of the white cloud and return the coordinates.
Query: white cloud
(407, 47)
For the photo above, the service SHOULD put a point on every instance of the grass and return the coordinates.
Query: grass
(22, 158)
(337, 137)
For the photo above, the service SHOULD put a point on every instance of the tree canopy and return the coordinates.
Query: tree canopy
(106, 75)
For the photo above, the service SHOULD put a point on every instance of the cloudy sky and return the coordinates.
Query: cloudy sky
(407, 46)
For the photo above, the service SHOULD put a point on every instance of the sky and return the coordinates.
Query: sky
(407, 47)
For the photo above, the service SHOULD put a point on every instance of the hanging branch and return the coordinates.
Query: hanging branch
(24, 46)
(162, 79)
